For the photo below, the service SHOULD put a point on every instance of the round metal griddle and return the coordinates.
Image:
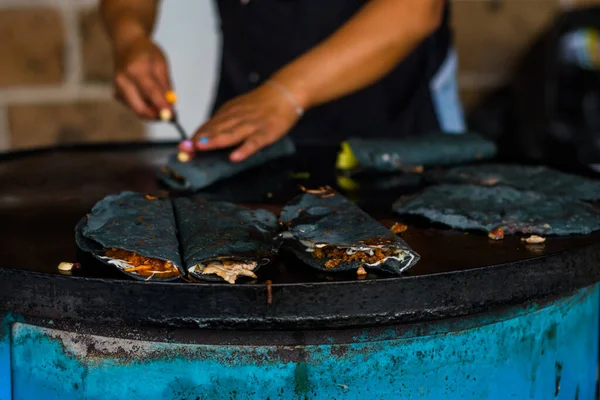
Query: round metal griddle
(44, 193)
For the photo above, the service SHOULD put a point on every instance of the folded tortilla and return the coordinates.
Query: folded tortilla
(408, 153)
(223, 241)
(328, 232)
(209, 167)
(135, 233)
(537, 178)
(471, 207)
(149, 238)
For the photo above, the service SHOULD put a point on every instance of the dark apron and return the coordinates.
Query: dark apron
(261, 36)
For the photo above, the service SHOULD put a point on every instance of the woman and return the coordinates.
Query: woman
(318, 70)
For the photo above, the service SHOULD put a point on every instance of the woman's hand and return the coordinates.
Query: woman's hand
(255, 119)
(142, 78)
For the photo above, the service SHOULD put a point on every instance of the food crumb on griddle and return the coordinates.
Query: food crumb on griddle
(322, 192)
(65, 266)
(490, 181)
(534, 239)
(398, 228)
(496, 234)
(361, 271)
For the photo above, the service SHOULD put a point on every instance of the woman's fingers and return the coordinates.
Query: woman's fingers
(130, 94)
(142, 73)
(255, 119)
(223, 138)
(142, 78)
(160, 71)
(216, 125)
(143, 85)
(251, 145)
(186, 146)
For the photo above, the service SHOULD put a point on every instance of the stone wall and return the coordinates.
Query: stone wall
(55, 77)
(491, 35)
(56, 65)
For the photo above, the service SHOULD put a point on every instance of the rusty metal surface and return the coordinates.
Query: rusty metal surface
(45, 193)
(540, 350)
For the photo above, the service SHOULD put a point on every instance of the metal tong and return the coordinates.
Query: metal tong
(171, 117)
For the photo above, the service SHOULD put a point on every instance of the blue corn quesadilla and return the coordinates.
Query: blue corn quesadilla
(151, 238)
(207, 168)
(328, 232)
(223, 241)
(135, 233)
(471, 207)
(412, 154)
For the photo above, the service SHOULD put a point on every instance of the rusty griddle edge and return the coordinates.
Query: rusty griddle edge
(299, 306)
(295, 306)
(289, 337)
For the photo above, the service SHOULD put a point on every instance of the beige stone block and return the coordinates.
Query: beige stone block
(470, 98)
(32, 46)
(52, 124)
(490, 36)
(584, 3)
(96, 50)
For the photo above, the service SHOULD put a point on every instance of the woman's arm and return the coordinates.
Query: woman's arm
(142, 73)
(128, 20)
(361, 52)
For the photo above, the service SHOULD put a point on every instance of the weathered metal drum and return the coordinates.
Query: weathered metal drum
(473, 320)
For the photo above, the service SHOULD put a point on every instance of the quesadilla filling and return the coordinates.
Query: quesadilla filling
(371, 256)
(176, 177)
(143, 266)
(229, 270)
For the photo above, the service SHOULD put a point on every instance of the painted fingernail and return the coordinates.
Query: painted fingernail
(171, 97)
(203, 140)
(235, 156)
(184, 156)
(166, 114)
(186, 145)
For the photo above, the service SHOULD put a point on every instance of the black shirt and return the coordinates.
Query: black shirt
(261, 36)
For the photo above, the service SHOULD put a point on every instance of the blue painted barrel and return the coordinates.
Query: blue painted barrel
(540, 350)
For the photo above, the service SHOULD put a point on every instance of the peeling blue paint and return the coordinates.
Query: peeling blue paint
(536, 352)
(5, 393)
(6, 322)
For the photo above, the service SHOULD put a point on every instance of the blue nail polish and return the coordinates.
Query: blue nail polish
(203, 140)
